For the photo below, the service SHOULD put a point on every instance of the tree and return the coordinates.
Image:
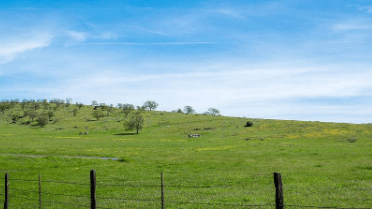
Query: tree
(109, 109)
(35, 105)
(79, 105)
(188, 110)
(15, 117)
(213, 111)
(135, 121)
(75, 111)
(42, 120)
(23, 103)
(94, 103)
(31, 114)
(2, 107)
(98, 114)
(50, 114)
(127, 108)
(68, 101)
(152, 105)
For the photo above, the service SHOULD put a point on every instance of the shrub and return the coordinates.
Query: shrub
(98, 114)
(15, 117)
(75, 111)
(351, 140)
(42, 120)
(249, 124)
(50, 114)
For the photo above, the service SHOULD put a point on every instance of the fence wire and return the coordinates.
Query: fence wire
(167, 201)
(303, 206)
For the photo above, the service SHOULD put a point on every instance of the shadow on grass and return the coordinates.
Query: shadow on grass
(89, 120)
(123, 134)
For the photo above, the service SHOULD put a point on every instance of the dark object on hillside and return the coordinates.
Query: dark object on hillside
(83, 133)
(249, 124)
(194, 135)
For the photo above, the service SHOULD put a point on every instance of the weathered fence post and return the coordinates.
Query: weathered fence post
(6, 191)
(162, 191)
(279, 202)
(93, 189)
(39, 191)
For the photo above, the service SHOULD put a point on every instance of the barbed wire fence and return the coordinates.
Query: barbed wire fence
(42, 199)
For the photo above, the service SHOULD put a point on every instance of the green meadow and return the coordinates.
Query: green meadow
(228, 166)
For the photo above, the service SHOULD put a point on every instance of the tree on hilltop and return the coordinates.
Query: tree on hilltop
(152, 105)
(213, 111)
(188, 109)
(127, 108)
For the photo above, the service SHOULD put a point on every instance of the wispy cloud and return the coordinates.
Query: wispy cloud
(77, 36)
(367, 9)
(149, 44)
(230, 13)
(11, 48)
(351, 26)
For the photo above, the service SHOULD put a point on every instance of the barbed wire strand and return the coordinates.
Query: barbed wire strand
(119, 199)
(66, 195)
(104, 207)
(216, 203)
(23, 180)
(65, 203)
(22, 190)
(48, 193)
(25, 198)
(121, 185)
(65, 182)
(303, 206)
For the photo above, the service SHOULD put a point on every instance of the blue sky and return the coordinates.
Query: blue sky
(285, 59)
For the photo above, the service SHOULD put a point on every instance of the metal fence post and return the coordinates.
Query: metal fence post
(162, 191)
(93, 189)
(6, 191)
(279, 199)
(39, 191)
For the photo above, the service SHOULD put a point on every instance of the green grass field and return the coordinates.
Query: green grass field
(322, 164)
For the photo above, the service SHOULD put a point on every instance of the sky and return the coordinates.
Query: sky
(283, 59)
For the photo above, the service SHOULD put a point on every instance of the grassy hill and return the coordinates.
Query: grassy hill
(322, 164)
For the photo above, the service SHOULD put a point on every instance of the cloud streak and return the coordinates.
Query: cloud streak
(151, 44)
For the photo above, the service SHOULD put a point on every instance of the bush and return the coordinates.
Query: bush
(50, 114)
(249, 124)
(42, 120)
(15, 117)
(75, 111)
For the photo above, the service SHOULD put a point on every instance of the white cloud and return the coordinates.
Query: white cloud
(149, 44)
(106, 35)
(350, 26)
(9, 49)
(367, 9)
(78, 36)
(230, 13)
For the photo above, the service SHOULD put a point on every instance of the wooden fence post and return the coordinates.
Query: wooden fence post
(39, 191)
(6, 191)
(93, 189)
(279, 202)
(162, 191)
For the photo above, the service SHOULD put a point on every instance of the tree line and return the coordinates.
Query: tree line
(43, 110)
